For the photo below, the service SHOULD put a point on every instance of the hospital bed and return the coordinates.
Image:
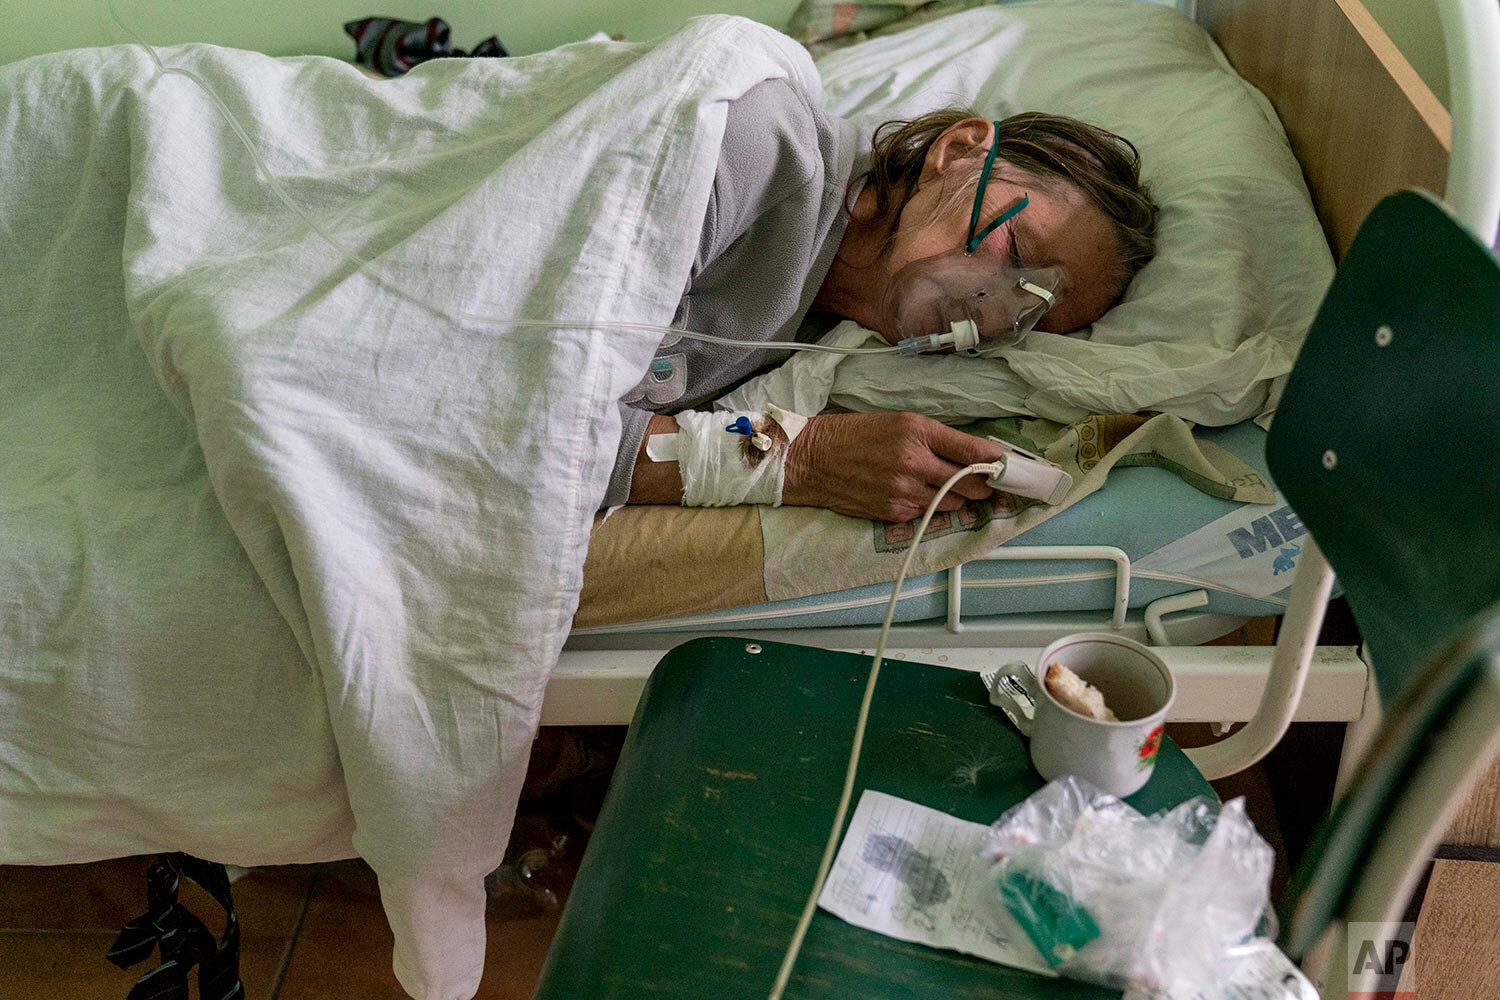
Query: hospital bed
(409, 691)
(1362, 124)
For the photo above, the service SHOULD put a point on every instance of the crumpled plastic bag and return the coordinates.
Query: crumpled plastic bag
(1158, 904)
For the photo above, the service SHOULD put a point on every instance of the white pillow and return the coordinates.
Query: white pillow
(1209, 328)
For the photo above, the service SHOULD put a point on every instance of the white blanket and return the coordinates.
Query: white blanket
(286, 556)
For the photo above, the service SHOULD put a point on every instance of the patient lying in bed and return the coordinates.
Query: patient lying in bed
(802, 221)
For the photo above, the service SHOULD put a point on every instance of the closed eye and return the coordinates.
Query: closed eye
(1020, 243)
(1026, 251)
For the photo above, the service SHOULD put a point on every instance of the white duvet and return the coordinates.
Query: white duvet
(285, 556)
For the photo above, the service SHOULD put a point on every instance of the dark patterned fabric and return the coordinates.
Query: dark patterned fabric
(391, 46)
(184, 939)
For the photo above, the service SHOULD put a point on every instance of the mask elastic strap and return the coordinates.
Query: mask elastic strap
(1038, 291)
(984, 179)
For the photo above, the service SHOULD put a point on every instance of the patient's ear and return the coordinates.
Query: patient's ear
(960, 141)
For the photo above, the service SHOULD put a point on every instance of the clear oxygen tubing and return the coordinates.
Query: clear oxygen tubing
(789, 960)
(368, 268)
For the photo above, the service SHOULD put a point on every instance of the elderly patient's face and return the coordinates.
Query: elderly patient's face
(1060, 227)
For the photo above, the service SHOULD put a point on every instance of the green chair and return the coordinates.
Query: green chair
(1387, 444)
(709, 839)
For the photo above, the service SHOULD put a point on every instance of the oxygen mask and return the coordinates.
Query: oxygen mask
(973, 304)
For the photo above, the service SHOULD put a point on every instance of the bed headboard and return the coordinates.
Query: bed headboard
(1360, 119)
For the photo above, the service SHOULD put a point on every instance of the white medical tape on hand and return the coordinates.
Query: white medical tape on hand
(791, 423)
(661, 447)
(715, 470)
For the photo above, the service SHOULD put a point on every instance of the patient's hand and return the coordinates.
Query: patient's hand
(886, 466)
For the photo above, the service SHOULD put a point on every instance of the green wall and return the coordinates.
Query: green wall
(299, 27)
(1413, 26)
(296, 27)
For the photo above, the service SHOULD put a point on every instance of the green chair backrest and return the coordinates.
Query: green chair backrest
(1387, 439)
(1387, 445)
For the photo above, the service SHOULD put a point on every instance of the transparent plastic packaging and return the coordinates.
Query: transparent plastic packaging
(1159, 904)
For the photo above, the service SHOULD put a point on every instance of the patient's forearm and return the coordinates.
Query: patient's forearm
(885, 466)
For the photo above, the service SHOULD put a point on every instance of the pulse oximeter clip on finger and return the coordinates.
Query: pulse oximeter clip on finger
(1024, 474)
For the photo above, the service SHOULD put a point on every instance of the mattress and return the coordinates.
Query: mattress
(1178, 539)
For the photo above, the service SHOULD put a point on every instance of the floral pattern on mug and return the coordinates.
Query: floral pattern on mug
(1146, 752)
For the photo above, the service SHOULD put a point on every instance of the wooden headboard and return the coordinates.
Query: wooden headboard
(1360, 119)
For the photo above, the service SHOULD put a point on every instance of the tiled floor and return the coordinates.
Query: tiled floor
(309, 933)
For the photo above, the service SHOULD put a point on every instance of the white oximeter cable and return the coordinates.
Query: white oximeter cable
(988, 469)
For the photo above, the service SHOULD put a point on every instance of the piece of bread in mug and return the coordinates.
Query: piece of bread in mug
(1077, 694)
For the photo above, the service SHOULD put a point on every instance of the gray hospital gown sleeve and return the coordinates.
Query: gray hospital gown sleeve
(774, 221)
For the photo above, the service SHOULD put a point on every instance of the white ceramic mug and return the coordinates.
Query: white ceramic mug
(1117, 757)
